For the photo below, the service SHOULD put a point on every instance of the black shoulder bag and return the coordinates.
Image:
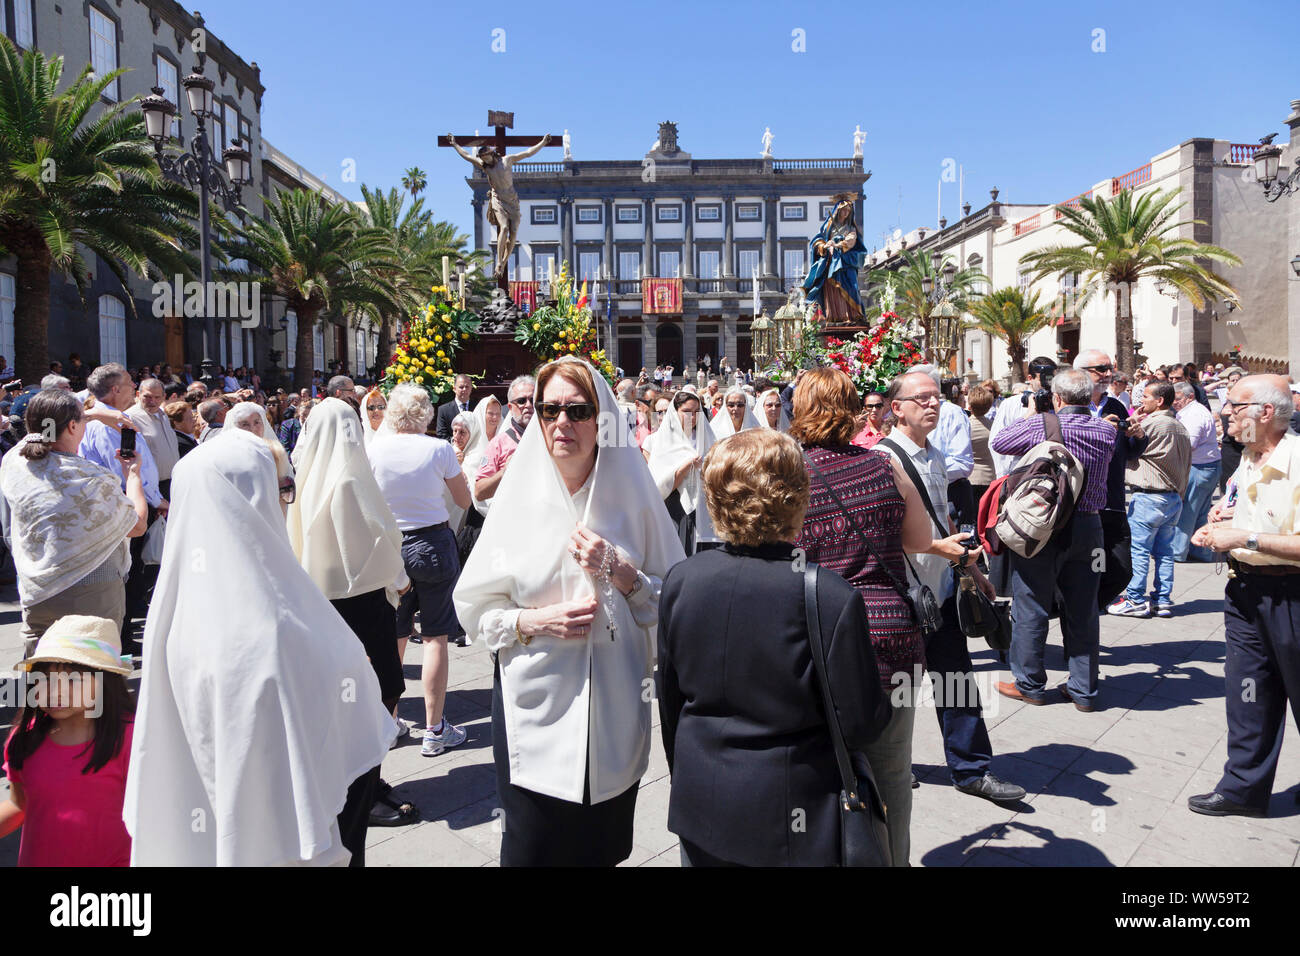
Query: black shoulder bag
(919, 598)
(864, 832)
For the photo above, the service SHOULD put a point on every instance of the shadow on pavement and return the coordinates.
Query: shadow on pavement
(1053, 851)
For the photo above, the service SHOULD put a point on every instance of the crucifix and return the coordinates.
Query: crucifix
(503, 201)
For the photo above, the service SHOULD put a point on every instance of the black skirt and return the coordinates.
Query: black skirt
(545, 831)
(685, 523)
(374, 621)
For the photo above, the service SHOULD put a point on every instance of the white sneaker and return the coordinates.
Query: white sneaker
(403, 728)
(434, 744)
(1126, 608)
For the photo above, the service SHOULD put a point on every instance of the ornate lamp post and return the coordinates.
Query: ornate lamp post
(786, 335)
(1267, 160)
(944, 323)
(761, 341)
(198, 168)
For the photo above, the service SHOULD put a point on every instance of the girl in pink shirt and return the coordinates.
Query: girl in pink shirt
(67, 756)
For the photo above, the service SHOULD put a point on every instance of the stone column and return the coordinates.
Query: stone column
(609, 243)
(477, 202)
(770, 272)
(728, 237)
(648, 265)
(728, 340)
(690, 348)
(566, 233)
(688, 254)
(1196, 177)
(649, 342)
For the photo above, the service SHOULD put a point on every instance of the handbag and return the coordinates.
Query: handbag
(978, 616)
(918, 597)
(154, 538)
(864, 831)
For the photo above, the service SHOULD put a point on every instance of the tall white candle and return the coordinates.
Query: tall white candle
(446, 273)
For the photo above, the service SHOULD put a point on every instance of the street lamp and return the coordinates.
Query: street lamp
(760, 331)
(945, 321)
(198, 169)
(1268, 160)
(1295, 265)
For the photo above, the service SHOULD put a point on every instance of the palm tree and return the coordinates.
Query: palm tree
(1125, 239)
(414, 181)
(909, 281)
(319, 256)
(419, 244)
(1007, 315)
(68, 180)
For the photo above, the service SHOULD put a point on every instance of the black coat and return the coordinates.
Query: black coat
(754, 779)
(447, 412)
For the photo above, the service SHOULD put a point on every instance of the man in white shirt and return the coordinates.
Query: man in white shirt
(153, 425)
(1019, 406)
(951, 438)
(1204, 474)
(1257, 525)
(914, 400)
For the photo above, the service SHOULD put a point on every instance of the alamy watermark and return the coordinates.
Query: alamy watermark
(221, 300)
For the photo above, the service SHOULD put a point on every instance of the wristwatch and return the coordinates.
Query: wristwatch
(1252, 541)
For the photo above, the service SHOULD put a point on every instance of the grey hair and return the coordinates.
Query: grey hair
(1184, 389)
(339, 383)
(55, 381)
(1263, 390)
(150, 381)
(409, 409)
(104, 379)
(1073, 385)
(242, 415)
(519, 383)
(929, 370)
(1089, 357)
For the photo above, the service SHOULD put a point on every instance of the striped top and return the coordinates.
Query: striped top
(864, 480)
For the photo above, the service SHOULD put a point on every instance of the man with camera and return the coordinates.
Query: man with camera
(1036, 398)
(914, 399)
(1066, 562)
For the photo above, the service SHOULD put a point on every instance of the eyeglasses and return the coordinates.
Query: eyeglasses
(577, 411)
(521, 402)
(920, 399)
(1098, 368)
(288, 493)
(1230, 406)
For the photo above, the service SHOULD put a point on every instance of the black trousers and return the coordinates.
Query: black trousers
(966, 744)
(354, 818)
(538, 830)
(140, 580)
(1261, 673)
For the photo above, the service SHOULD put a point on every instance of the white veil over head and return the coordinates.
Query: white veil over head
(258, 707)
(368, 432)
(478, 446)
(783, 421)
(339, 524)
(522, 560)
(669, 448)
(722, 424)
(468, 466)
(243, 411)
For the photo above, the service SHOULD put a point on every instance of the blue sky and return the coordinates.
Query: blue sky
(1013, 92)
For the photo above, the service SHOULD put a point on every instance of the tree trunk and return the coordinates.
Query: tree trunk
(306, 357)
(31, 306)
(1125, 356)
(1016, 353)
(384, 350)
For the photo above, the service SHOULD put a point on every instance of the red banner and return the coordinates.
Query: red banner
(661, 296)
(524, 295)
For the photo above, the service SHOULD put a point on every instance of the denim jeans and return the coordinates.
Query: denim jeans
(1066, 565)
(1201, 482)
(1152, 521)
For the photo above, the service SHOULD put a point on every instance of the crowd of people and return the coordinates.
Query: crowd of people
(611, 547)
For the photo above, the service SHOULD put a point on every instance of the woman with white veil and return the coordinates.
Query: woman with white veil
(373, 423)
(251, 417)
(258, 712)
(737, 414)
(676, 451)
(563, 585)
(770, 412)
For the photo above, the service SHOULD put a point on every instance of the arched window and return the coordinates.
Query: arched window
(290, 338)
(112, 330)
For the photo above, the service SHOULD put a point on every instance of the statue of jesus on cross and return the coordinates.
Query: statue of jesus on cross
(503, 201)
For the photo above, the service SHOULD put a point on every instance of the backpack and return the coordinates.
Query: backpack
(1039, 494)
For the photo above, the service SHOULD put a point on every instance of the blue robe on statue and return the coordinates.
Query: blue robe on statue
(832, 282)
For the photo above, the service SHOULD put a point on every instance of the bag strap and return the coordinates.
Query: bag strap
(811, 612)
(910, 467)
(899, 586)
(1052, 428)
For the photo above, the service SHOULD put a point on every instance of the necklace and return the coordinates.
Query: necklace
(607, 587)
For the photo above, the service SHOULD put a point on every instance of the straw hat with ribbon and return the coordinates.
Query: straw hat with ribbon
(78, 639)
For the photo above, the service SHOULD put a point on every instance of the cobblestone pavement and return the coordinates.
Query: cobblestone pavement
(1105, 789)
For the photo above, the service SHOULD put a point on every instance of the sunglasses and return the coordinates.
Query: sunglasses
(521, 402)
(1098, 368)
(577, 411)
(288, 492)
(376, 408)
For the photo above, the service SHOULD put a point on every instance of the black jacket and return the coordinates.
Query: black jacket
(754, 779)
(447, 412)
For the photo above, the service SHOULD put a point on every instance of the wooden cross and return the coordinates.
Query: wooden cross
(501, 121)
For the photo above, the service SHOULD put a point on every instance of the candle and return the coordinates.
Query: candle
(446, 265)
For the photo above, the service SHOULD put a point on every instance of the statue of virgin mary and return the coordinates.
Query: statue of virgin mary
(836, 254)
